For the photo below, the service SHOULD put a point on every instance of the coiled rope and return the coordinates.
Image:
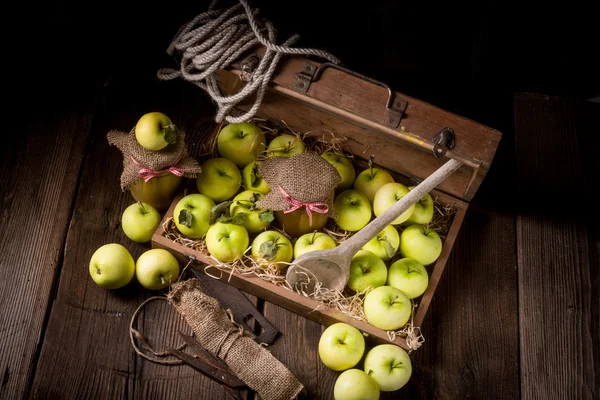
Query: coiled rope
(215, 39)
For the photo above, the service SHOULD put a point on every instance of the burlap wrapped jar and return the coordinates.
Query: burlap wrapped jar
(302, 191)
(153, 176)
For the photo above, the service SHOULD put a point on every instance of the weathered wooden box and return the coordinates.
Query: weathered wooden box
(402, 132)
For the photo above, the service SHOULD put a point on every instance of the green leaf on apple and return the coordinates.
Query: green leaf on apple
(254, 175)
(216, 211)
(268, 249)
(186, 218)
(389, 249)
(170, 133)
(237, 219)
(266, 216)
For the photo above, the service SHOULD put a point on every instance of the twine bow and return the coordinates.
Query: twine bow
(146, 173)
(316, 206)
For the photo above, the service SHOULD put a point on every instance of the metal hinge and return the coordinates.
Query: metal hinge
(443, 141)
(305, 77)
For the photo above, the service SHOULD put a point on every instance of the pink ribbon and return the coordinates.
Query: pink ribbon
(316, 206)
(146, 173)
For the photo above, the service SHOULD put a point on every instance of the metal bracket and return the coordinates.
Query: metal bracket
(248, 66)
(305, 77)
(395, 106)
(443, 141)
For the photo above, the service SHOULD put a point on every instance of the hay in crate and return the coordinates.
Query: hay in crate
(347, 301)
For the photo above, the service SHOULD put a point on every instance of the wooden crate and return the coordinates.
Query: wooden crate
(374, 120)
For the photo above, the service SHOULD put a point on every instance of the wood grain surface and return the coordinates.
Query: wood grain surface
(40, 170)
(557, 242)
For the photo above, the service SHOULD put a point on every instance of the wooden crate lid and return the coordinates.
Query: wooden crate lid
(397, 129)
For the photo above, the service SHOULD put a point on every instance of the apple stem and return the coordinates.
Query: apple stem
(98, 271)
(394, 300)
(142, 207)
(371, 159)
(162, 280)
(370, 372)
(313, 237)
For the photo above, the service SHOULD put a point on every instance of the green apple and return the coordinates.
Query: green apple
(156, 269)
(255, 219)
(409, 276)
(227, 242)
(273, 247)
(344, 168)
(112, 266)
(253, 180)
(312, 242)
(192, 215)
(389, 365)
(139, 221)
(241, 143)
(285, 146)
(220, 179)
(353, 210)
(385, 244)
(341, 346)
(366, 270)
(423, 213)
(387, 308)
(387, 196)
(155, 131)
(355, 384)
(370, 180)
(421, 243)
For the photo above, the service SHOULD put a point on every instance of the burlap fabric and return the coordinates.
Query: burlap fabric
(136, 158)
(307, 177)
(252, 363)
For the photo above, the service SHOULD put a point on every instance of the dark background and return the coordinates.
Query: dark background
(466, 56)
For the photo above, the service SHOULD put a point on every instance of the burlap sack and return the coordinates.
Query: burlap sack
(252, 363)
(137, 159)
(307, 177)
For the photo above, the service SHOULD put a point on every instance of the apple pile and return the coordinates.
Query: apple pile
(386, 367)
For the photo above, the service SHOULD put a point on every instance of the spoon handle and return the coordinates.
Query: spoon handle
(357, 241)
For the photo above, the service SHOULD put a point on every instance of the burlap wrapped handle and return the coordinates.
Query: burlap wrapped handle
(214, 330)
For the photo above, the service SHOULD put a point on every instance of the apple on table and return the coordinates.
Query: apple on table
(112, 266)
(192, 215)
(355, 384)
(421, 243)
(366, 270)
(155, 131)
(344, 168)
(156, 269)
(385, 244)
(252, 179)
(285, 146)
(313, 242)
(273, 247)
(387, 308)
(370, 180)
(220, 179)
(409, 276)
(389, 366)
(139, 221)
(227, 242)
(353, 210)
(387, 196)
(341, 346)
(241, 143)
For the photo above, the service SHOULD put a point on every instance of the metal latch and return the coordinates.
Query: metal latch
(443, 141)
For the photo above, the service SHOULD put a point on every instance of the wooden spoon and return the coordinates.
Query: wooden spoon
(332, 267)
